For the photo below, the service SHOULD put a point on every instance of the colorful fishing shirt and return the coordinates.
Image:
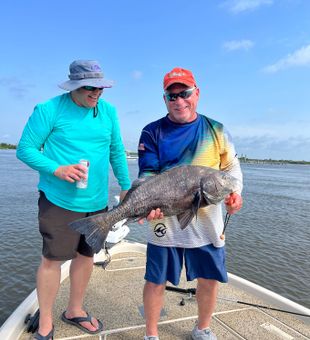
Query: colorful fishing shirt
(164, 144)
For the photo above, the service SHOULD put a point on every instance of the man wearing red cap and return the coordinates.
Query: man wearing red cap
(184, 136)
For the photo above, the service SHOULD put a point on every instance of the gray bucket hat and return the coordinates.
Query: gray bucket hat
(85, 73)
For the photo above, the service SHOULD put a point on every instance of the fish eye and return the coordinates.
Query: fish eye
(210, 184)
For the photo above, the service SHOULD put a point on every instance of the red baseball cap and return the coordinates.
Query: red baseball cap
(179, 75)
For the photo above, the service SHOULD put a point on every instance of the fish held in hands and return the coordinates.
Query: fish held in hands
(179, 191)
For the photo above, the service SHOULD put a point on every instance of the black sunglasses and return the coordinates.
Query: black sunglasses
(92, 88)
(184, 94)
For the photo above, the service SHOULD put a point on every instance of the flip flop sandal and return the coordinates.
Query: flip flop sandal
(76, 322)
(49, 336)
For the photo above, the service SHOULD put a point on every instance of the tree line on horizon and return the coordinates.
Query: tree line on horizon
(243, 159)
(7, 146)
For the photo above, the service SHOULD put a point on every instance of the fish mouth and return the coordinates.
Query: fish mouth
(233, 185)
(229, 182)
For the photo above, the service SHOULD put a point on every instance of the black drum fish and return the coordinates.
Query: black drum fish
(179, 191)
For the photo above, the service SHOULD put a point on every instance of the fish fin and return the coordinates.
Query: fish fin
(133, 219)
(93, 229)
(196, 202)
(185, 218)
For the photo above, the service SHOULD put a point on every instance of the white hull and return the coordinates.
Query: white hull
(14, 325)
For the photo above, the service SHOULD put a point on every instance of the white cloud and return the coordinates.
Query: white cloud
(133, 112)
(269, 147)
(136, 74)
(238, 6)
(15, 86)
(275, 130)
(300, 57)
(287, 140)
(282, 140)
(234, 45)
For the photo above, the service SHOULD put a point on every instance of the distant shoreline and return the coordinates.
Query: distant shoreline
(271, 161)
(5, 146)
(242, 159)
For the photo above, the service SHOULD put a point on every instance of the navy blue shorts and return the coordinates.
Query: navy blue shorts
(165, 264)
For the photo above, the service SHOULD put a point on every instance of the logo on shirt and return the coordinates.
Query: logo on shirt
(160, 230)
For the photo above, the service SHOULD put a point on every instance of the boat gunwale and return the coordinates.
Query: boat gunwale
(14, 326)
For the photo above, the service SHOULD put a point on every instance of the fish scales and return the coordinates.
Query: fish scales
(179, 191)
(161, 194)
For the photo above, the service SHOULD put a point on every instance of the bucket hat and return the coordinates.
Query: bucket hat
(85, 73)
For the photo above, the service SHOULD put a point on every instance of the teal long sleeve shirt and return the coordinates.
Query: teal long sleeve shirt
(58, 133)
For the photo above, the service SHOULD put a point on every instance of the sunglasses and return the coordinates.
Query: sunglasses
(92, 88)
(172, 97)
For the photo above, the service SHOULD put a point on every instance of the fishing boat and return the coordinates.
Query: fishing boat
(131, 157)
(244, 309)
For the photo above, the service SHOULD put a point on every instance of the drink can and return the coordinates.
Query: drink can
(82, 183)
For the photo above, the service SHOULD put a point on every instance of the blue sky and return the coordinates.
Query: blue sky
(251, 60)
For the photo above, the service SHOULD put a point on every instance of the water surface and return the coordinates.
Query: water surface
(268, 242)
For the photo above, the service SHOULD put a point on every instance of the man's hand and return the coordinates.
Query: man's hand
(71, 173)
(153, 215)
(122, 195)
(233, 203)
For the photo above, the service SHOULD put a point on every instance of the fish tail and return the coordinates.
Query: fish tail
(94, 228)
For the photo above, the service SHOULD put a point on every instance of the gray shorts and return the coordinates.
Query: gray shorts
(60, 242)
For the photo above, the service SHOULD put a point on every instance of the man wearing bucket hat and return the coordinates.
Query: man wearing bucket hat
(69, 139)
(184, 136)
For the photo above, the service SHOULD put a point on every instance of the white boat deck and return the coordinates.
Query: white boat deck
(114, 296)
